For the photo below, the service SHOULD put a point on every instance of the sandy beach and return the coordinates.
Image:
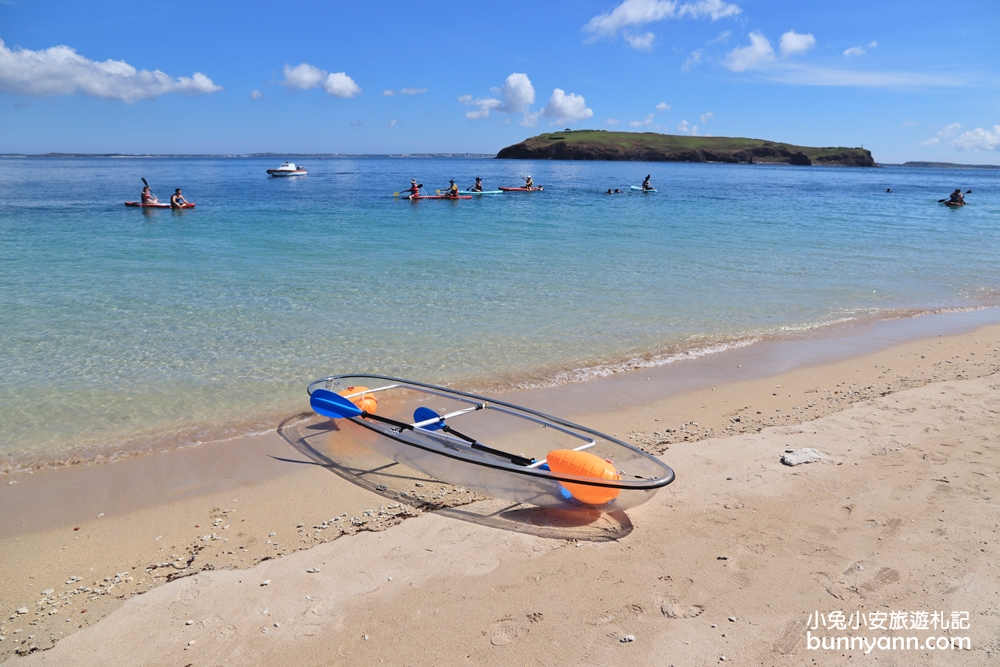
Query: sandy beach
(248, 553)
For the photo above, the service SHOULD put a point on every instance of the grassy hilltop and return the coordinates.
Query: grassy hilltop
(653, 147)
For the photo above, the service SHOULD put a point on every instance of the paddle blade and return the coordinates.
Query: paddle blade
(145, 183)
(333, 405)
(423, 414)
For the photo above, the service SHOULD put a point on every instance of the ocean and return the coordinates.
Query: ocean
(127, 330)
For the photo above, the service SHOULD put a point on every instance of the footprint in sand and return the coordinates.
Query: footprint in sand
(892, 527)
(671, 610)
(882, 578)
(936, 457)
(790, 637)
(504, 631)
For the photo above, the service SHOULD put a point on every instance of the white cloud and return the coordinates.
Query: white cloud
(563, 108)
(256, 94)
(705, 117)
(818, 76)
(722, 37)
(641, 42)
(686, 128)
(306, 76)
(393, 123)
(872, 44)
(516, 96)
(979, 140)
(357, 123)
(60, 70)
(612, 121)
(303, 76)
(792, 43)
(714, 9)
(949, 132)
(483, 105)
(640, 12)
(388, 92)
(339, 84)
(854, 51)
(910, 123)
(413, 91)
(648, 120)
(692, 60)
(759, 53)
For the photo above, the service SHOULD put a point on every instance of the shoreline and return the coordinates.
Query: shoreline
(129, 527)
(197, 435)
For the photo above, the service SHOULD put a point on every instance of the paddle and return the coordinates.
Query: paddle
(155, 198)
(941, 201)
(423, 414)
(396, 194)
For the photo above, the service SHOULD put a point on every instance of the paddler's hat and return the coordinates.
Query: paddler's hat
(413, 180)
(452, 181)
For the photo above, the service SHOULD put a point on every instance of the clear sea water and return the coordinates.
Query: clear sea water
(124, 330)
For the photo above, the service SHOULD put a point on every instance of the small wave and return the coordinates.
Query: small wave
(517, 380)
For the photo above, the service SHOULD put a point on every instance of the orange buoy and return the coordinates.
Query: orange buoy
(364, 402)
(584, 464)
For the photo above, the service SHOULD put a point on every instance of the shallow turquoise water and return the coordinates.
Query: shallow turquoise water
(126, 329)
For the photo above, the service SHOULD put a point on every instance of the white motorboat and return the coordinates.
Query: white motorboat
(287, 169)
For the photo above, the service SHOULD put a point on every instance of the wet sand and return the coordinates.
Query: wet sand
(899, 515)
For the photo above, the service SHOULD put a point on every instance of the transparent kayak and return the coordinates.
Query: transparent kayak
(489, 446)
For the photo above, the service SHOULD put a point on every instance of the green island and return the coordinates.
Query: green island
(654, 147)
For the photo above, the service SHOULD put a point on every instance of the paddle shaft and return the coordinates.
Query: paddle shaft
(150, 189)
(513, 458)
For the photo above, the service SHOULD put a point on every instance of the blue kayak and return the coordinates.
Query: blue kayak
(484, 192)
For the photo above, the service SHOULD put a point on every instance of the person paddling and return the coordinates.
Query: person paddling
(414, 188)
(452, 190)
(148, 197)
(528, 183)
(957, 198)
(478, 187)
(177, 199)
(646, 185)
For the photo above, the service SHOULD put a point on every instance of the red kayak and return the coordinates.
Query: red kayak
(440, 197)
(522, 189)
(141, 205)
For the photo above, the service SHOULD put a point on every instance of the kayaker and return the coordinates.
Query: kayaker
(956, 197)
(646, 185)
(414, 188)
(452, 190)
(478, 187)
(148, 197)
(177, 199)
(528, 183)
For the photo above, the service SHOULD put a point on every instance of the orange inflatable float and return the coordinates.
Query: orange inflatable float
(584, 464)
(364, 401)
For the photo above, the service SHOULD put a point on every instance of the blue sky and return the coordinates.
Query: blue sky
(909, 80)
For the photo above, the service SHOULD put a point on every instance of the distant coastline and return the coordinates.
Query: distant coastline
(242, 155)
(946, 165)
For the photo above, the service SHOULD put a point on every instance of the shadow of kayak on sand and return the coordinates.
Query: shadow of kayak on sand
(319, 439)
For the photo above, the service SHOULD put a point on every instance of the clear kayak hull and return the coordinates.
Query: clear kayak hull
(492, 447)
